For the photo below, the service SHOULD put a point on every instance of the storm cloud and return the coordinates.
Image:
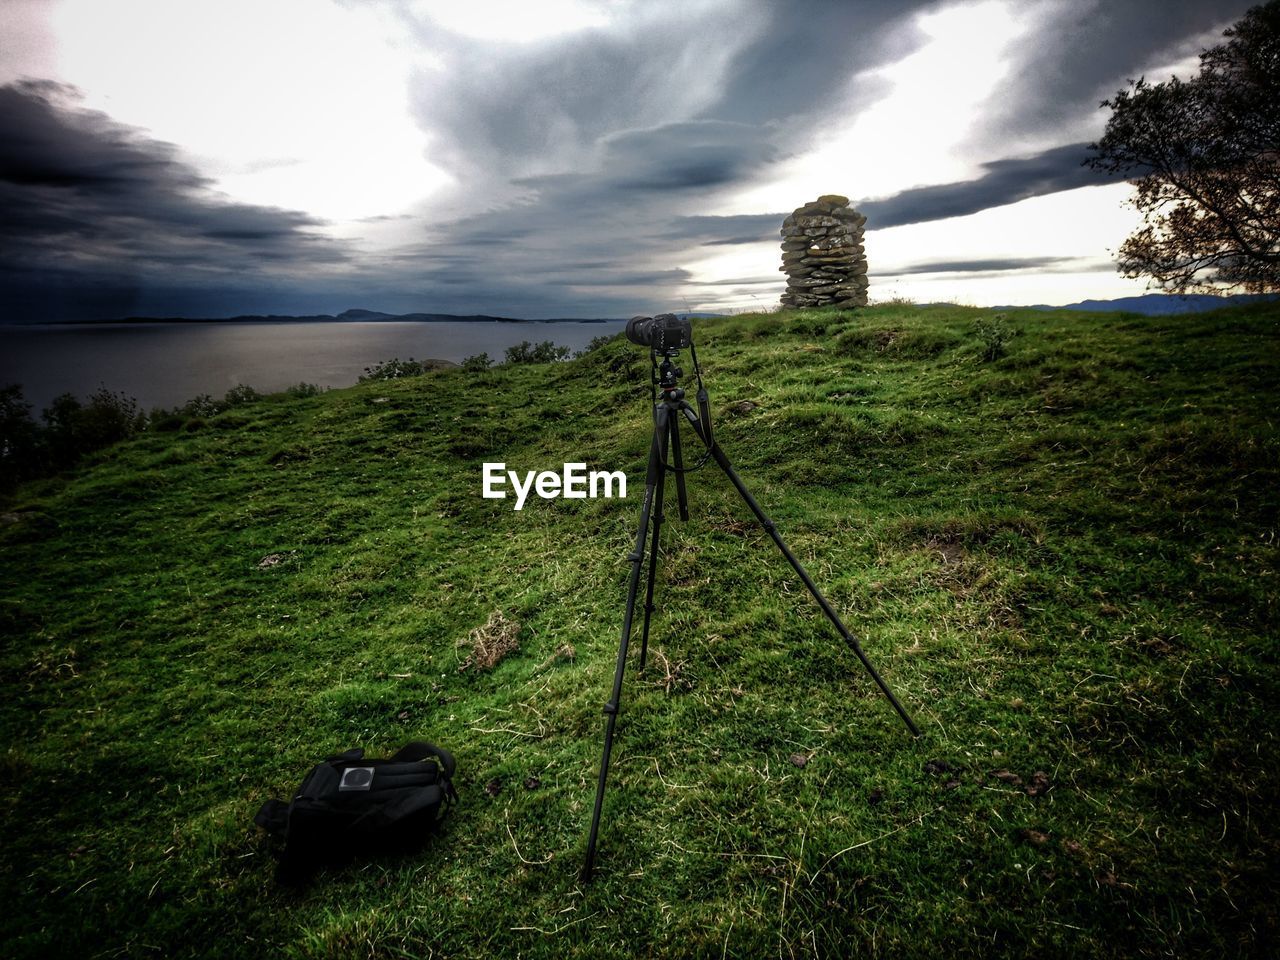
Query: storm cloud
(989, 265)
(1083, 52)
(1002, 182)
(101, 220)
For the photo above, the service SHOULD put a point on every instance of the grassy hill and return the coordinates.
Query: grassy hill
(1062, 559)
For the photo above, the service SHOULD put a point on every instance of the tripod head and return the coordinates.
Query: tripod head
(668, 374)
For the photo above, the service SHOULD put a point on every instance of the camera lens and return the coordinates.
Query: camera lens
(640, 330)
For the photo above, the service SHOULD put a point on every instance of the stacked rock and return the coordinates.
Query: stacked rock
(823, 256)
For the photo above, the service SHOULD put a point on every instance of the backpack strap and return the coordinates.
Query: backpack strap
(420, 750)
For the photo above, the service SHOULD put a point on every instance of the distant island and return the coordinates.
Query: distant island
(350, 316)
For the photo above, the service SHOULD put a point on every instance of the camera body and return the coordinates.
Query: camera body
(665, 333)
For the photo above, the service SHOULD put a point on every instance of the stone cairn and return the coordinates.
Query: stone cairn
(822, 255)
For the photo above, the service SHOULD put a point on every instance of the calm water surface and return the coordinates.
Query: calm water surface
(166, 364)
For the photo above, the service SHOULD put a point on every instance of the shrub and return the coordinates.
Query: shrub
(994, 335)
(544, 352)
(73, 429)
(164, 421)
(301, 390)
(240, 393)
(20, 455)
(200, 406)
(394, 369)
(477, 364)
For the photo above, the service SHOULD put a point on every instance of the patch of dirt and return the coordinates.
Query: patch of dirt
(1037, 838)
(742, 407)
(1108, 879)
(800, 760)
(1155, 646)
(1039, 784)
(492, 642)
(950, 553)
(1007, 776)
(884, 339)
(272, 560)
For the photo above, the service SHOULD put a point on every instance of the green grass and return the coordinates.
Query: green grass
(1063, 560)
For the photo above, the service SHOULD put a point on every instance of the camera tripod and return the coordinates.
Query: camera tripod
(670, 406)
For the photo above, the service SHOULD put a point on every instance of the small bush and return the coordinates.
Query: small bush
(200, 406)
(20, 453)
(477, 364)
(394, 369)
(301, 390)
(994, 336)
(73, 429)
(240, 393)
(544, 352)
(164, 421)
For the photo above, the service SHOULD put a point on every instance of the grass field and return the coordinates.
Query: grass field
(1063, 559)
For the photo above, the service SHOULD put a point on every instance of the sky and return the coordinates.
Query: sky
(564, 158)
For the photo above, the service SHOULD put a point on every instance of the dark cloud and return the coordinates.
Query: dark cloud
(995, 265)
(809, 55)
(1085, 51)
(694, 100)
(499, 113)
(1003, 182)
(716, 231)
(602, 243)
(731, 241)
(684, 156)
(101, 219)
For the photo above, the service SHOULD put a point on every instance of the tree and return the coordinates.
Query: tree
(1204, 155)
(19, 438)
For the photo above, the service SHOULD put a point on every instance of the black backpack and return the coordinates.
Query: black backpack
(350, 805)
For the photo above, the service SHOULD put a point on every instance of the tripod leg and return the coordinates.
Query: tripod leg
(658, 517)
(767, 524)
(653, 477)
(677, 460)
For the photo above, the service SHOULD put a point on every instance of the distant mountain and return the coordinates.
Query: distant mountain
(1159, 304)
(357, 316)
